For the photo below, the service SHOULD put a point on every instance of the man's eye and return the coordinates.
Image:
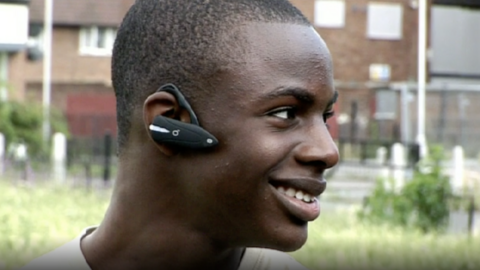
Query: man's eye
(284, 113)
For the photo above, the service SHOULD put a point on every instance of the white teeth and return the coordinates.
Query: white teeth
(299, 195)
(290, 192)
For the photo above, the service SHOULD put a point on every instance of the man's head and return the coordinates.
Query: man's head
(260, 79)
(184, 42)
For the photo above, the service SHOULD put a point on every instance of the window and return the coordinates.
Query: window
(97, 40)
(384, 21)
(379, 72)
(455, 38)
(386, 105)
(329, 13)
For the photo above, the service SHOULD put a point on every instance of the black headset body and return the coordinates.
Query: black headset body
(169, 131)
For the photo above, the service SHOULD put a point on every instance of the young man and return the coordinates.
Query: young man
(259, 79)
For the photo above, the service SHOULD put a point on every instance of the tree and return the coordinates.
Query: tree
(21, 122)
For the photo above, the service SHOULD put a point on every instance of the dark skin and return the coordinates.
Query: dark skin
(177, 209)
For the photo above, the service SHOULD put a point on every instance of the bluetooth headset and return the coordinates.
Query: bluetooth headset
(173, 132)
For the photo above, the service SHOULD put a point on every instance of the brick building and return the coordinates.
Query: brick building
(84, 31)
(373, 44)
(366, 57)
(13, 37)
(82, 38)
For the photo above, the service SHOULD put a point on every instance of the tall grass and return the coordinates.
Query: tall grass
(35, 219)
(339, 241)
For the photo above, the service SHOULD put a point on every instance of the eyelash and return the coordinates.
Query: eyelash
(328, 115)
(288, 110)
(293, 110)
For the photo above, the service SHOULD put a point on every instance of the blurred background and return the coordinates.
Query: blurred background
(406, 124)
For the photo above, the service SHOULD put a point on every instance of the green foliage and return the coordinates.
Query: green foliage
(22, 123)
(37, 218)
(339, 241)
(422, 203)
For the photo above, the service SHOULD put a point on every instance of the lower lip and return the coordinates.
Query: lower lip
(298, 208)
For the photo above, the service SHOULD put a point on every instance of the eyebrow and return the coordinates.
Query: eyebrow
(300, 94)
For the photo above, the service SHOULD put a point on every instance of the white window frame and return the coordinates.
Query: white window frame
(89, 41)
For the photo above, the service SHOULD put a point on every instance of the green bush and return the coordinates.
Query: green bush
(22, 123)
(423, 202)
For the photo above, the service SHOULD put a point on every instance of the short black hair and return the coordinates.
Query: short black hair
(181, 42)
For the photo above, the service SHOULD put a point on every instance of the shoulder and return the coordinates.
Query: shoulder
(268, 259)
(68, 256)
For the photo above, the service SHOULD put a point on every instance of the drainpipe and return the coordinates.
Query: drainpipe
(422, 69)
(405, 98)
(3, 76)
(47, 67)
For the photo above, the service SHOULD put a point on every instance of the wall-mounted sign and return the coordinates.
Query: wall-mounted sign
(13, 26)
(379, 72)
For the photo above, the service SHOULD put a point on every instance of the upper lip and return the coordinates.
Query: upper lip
(313, 186)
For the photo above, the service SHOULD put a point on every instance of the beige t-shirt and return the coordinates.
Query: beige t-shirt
(70, 256)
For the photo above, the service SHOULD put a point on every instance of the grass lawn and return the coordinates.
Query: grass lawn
(340, 241)
(36, 219)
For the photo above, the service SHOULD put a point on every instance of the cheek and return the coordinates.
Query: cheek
(248, 151)
(256, 146)
(248, 157)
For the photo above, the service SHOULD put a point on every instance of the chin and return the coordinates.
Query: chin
(293, 245)
(290, 240)
(290, 246)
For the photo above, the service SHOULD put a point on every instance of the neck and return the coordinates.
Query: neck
(165, 248)
(146, 229)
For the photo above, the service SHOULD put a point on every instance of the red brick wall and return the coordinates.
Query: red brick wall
(353, 52)
(90, 109)
(80, 84)
(91, 114)
(68, 66)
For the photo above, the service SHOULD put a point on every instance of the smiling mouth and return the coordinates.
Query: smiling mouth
(299, 196)
(296, 194)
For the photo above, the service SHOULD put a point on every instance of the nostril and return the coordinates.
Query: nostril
(315, 163)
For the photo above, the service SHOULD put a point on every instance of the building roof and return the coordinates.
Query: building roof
(464, 3)
(82, 12)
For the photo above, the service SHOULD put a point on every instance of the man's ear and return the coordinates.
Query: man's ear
(164, 104)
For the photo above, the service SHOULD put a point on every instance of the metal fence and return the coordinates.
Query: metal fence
(389, 114)
(88, 159)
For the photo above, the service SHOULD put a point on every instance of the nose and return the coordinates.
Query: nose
(317, 148)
